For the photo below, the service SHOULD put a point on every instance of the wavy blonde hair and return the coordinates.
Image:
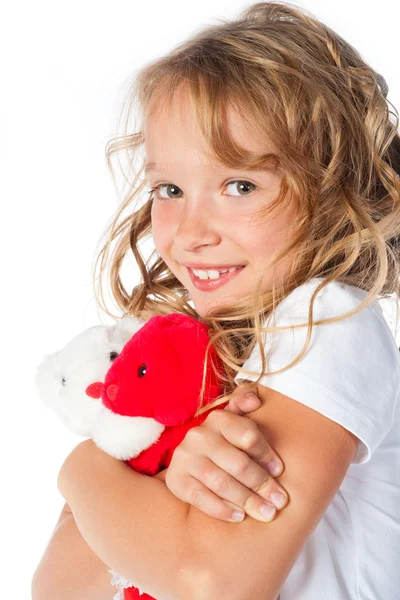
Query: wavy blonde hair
(309, 92)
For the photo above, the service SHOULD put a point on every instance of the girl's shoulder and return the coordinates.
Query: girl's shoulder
(336, 293)
(334, 300)
(364, 336)
(350, 370)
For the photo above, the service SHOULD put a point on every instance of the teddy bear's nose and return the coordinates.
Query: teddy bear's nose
(94, 390)
(112, 391)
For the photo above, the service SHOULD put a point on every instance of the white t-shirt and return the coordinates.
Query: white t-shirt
(351, 374)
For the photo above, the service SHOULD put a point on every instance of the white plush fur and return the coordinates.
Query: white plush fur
(84, 360)
(124, 437)
(121, 583)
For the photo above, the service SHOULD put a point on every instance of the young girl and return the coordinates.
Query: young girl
(274, 206)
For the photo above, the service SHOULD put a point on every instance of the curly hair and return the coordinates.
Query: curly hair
(311, 93)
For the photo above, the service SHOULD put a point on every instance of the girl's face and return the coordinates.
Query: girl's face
(203, 212)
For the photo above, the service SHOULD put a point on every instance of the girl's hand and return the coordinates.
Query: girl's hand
(226, 457)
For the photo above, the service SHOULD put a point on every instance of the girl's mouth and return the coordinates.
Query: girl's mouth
(208, 285)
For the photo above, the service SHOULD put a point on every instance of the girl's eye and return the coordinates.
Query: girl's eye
(242, 184)
(167, 185)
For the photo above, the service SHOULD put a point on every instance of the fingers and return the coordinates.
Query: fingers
(200, 496)
(243, 403)
(235, 477)
(191, 490)
(196, 493)
(244, 434)
(223, 465)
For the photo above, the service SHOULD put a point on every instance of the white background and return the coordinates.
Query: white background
(63, 67)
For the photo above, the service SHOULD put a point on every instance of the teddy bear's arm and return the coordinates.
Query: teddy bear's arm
(132, 522)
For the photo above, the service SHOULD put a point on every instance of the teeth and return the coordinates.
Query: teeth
(212, 273)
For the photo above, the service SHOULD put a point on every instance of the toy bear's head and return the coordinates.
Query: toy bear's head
(65, 378)
(155, 383)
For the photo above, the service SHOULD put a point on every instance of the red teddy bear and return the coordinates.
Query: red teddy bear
(150, 395)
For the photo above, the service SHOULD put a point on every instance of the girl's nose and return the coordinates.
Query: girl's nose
(196, 229)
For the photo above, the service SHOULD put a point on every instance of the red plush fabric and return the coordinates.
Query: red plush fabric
(158, 374)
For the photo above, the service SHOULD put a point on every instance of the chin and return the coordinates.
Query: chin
(203, 308)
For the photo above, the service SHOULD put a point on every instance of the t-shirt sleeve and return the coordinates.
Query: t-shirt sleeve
(351, 370)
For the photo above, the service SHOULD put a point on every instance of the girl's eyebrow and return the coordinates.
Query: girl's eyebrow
(151, 166)
(270, 162)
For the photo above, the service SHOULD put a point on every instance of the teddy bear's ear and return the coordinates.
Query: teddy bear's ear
(120, 332)
(127, 320)
(188, 335)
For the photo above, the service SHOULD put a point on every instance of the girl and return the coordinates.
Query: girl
(274, 206)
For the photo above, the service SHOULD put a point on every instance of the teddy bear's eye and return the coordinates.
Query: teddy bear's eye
(142, 370)
(63, 382)
(113, 355)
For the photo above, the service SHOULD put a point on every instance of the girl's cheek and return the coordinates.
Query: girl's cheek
(162, 229)
(156, 218)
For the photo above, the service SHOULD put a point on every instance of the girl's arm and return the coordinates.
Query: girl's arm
(173, 551)
(134, 523)
(69, 569)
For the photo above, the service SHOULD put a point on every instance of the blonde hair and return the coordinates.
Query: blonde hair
(308, 91)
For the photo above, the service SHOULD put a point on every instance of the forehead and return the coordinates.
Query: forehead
(172, 129)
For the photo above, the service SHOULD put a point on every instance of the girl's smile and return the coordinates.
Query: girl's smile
(205, 215)
(209, 280)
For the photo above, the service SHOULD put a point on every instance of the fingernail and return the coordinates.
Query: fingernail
(267, 510)
(274, 467)
(278, 499)
(237, 515)
(252, 396)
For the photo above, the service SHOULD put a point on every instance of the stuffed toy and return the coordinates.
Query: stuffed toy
(64, 378)
(141, 397)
